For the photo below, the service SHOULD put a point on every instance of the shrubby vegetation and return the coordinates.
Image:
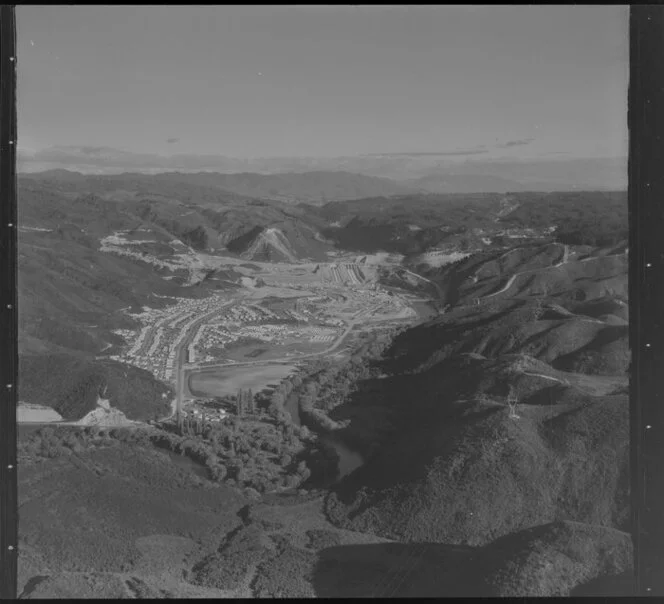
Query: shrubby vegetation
(597, 218)
(320, 539)
(289, 574)
(587, 217)
(262, 447)
(229, 567)
(258, 455)
(71, 385)
(549, 560)
(587, 230)
(324, 386)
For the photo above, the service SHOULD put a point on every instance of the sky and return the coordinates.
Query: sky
(522, 82)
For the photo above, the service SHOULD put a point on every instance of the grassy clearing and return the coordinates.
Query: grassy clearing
(36, 414)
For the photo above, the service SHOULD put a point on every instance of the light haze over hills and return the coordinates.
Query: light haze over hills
(347, 177)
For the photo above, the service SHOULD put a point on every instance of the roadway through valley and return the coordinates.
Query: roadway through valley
(181, 357)
(185, 371)
(439, 290)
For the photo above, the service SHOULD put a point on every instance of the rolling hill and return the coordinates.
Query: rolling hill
(72, 384)
(544, 174)
(471, 474)
(520, 416)
(460, 466)
(461, 183)
(558, 559)
(91, 248)
(495, 435)
(315, 187)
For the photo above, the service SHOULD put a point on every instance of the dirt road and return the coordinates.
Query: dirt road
(565, 259)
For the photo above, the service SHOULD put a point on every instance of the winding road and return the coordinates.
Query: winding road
(565, 260)
(510, 281)
(546, 377)
(506, 287)
(181, 361)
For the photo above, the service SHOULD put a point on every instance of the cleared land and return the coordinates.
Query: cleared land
(36, 414)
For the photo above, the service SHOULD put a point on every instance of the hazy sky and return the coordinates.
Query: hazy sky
(520, 81)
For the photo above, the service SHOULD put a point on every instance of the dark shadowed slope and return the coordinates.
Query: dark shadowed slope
(556, 559)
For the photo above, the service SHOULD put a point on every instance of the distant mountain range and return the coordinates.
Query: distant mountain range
(316, 180)
(310, 187)
(466, 183)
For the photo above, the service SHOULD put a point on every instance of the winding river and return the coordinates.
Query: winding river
(349, 460)
(213, 382)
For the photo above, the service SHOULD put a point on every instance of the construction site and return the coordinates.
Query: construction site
(298, 310)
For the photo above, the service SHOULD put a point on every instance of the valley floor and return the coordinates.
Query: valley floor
(459, 416)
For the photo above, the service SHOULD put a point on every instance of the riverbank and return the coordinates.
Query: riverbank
(349, 459)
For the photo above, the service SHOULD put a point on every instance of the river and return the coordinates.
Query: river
(216, 381)
(424, 310)
(349, 460)
(186, 463)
